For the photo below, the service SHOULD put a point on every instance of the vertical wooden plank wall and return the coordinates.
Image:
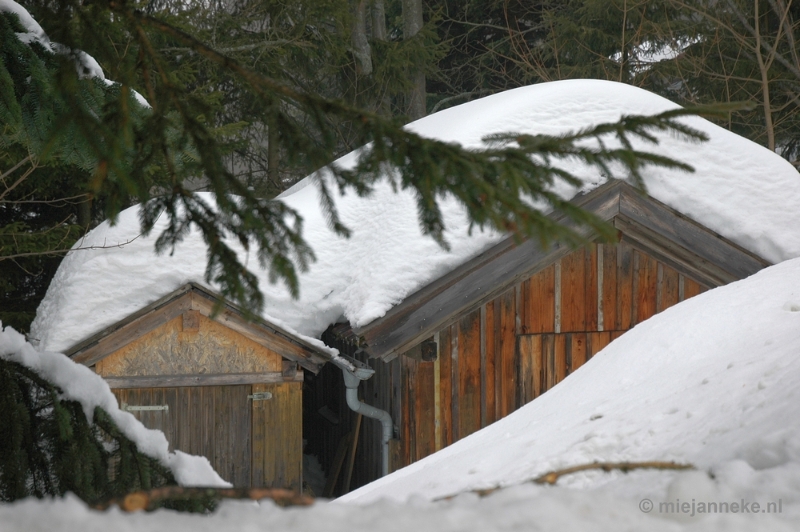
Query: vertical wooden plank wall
(277, 454)
(522, 343)
(217, 422)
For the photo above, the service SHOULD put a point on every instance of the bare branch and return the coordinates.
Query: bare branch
(22, 178)
(12, 170)
(243, 47)
(552, 477)
(66, 200)
(66, 250)
(794, 69)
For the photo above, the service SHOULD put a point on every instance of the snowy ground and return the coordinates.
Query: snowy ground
(711, 382)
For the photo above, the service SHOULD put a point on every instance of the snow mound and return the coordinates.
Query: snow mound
(710, 382)
(739, 189)
(79, 383)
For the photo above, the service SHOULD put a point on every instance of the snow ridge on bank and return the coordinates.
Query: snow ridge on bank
(79, 383)
(740, 190)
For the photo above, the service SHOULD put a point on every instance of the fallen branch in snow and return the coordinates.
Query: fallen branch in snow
(152, 499)
(553, 476)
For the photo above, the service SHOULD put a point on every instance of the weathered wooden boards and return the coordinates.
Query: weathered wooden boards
(189, 304)
(278, 437)
(520, 344)
(517, 319)
(215, 392)
(204, 347)
(661, 233)
(204, 354)
(249, 443)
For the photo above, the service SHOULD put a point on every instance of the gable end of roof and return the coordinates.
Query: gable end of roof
(642, 221)
(192, 296)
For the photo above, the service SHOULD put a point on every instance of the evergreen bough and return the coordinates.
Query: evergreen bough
(49, 448)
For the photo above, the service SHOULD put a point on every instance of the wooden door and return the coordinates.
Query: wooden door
(250, 440)
(211, 421)
(278, 436)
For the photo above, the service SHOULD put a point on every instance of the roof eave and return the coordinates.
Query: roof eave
(643, 222)
(192, 296)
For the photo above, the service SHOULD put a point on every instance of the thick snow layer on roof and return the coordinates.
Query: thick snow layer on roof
(79, 383)
(739, 189)
(721, 395)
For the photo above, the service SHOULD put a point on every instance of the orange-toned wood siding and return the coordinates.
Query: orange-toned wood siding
(277, 454)
(515, 347)
(248, 442)
(189, 344)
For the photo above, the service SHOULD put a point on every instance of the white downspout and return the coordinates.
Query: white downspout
(354, 372)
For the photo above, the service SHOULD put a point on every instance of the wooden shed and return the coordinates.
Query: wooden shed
(503, 328)
(215, 383)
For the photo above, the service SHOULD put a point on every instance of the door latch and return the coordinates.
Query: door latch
(260, 396)
(142, 408)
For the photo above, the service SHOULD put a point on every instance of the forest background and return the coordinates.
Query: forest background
(396, 60)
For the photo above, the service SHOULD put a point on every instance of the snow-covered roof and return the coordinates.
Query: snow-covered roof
(309, 353)
(740, 190)
(720, 396)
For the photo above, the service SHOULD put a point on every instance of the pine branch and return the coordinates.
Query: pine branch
(507, 186)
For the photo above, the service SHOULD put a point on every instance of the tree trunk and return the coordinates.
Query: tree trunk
(379, 34)
(378, 20)
(85, 214)
(273, 155)
(763, 68)
(361, 48)
(412, 23)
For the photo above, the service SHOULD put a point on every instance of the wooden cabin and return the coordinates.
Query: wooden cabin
(215, 383)
(503, 328)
